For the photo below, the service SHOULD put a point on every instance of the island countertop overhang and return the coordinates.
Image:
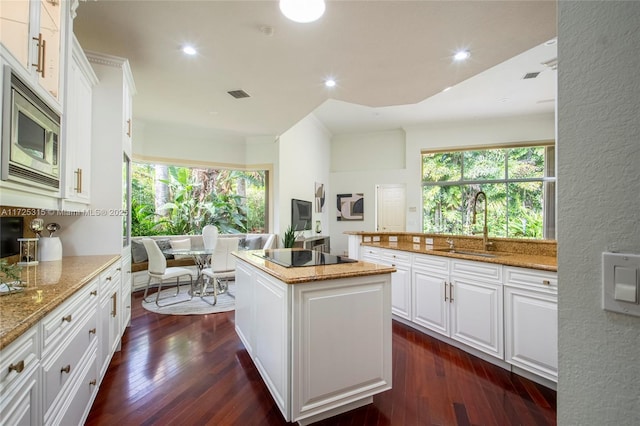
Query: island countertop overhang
(306, 274)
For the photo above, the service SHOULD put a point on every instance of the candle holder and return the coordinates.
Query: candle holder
(28, 251)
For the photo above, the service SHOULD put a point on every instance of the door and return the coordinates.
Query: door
(390, 208)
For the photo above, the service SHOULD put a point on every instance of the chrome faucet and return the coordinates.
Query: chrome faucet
(485, 233)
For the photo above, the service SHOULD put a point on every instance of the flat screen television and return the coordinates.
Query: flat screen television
(300, 215)
(10, 231)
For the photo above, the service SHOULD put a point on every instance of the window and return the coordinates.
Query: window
(519, 182)
(174, 200)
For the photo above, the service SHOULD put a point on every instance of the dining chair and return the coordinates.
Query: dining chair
(223, 266)
(209, 237)
(158, 270)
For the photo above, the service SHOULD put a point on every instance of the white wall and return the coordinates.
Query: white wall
(303, 160)
(599, 205)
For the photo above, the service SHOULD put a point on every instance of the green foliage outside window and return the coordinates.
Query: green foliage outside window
(171, 200)
(513, 179)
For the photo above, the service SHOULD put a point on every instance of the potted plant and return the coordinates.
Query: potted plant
(289, 237)
(9, 277)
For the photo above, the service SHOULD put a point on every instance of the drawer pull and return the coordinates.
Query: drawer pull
(118, 269)
(67, 318)
(92, 331)
(546, 282)
(66, 369)
(17, 367)
(108, 278)
(93, 382)
(94, 293)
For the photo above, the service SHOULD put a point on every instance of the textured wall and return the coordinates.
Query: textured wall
(599, 205)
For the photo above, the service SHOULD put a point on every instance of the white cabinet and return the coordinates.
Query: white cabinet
(109, 318)
(125, 292)
(289, 330)
(531, 321)
(459, 299)
(69, 340)
(354, 242)
(77, 127)
(475, 295)
(33, 33)
(20, 381)
(400, 280)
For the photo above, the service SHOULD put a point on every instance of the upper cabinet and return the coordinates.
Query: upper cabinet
(32, 33)
(77, 127)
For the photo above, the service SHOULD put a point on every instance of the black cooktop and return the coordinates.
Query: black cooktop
(299, 258)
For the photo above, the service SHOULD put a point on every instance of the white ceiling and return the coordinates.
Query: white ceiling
(391, 60)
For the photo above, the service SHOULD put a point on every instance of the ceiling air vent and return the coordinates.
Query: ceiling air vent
(238, 94)
(530, 75)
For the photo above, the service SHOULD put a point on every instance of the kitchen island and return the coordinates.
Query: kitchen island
(319, 335)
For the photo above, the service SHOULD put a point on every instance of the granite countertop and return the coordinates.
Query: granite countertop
(306, 274)
(531, 261)
(48, 284)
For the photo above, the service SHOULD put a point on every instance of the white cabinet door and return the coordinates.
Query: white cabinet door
(244, 305)
(271, 350)
(476, 315)
(400, 281)
(531, 321)
(431, 300)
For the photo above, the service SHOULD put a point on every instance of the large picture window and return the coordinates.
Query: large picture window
(519, 182)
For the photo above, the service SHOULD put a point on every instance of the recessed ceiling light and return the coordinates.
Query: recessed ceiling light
(302, 11)
(189, 50)
(462, 55)
(330, 82)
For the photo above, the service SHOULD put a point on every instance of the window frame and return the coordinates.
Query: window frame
(548, 180)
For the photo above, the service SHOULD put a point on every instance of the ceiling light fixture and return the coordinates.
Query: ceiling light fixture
(189, 50)
(302, 11)
(330, 82)
(462, 55)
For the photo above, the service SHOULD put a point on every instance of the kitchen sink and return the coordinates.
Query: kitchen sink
(467, 252)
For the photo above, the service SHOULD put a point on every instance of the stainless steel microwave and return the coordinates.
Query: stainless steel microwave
(30, 136)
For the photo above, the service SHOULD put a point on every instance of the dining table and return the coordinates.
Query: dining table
(202, 259)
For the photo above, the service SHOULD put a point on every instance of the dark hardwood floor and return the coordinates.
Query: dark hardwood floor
(193, 370)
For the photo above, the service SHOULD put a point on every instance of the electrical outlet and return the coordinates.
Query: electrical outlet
(376, 238)
(416, 240)
(367, 239)
(428, 241)
(393, 239)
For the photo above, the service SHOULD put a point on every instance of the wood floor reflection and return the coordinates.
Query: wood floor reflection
(193, 370)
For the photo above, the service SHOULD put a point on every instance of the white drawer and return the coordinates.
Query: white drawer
(109, 277)
(478, 270)
(396, 256)
(62, 365)
(82, 394)
(18, 359)
(371, 252)
(64, 318)
(531, 279)
(431, 263)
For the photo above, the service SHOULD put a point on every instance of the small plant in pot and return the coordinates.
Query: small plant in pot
(10, 279)
(289, 237)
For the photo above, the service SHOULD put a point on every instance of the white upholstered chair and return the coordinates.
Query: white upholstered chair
(223, 266)
(210, 237)
(158, 270)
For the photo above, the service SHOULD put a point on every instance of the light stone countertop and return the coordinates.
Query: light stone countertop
(522, 260)
(305, 274)
(48, 284)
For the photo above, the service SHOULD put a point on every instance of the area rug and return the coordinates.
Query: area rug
(197, 306)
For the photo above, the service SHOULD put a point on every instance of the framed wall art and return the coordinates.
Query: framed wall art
(350, 207)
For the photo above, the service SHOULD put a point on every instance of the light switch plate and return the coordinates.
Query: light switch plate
(416, 240)
(376, 238)
(428, 241)
(621, 283)
(366, 239)
(393, 239)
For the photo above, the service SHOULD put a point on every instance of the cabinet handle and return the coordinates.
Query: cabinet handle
(17, 367)
(40, 65)
(129, 127)
(108, 278)
(94, 293)
(66, 369)
(78, 187)
(114, 312)
(92, 331)
(118, 269)
(450, 292)
(445, 291)
(93, 382)
(44, 60)
(546, 282)
(67, 318)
